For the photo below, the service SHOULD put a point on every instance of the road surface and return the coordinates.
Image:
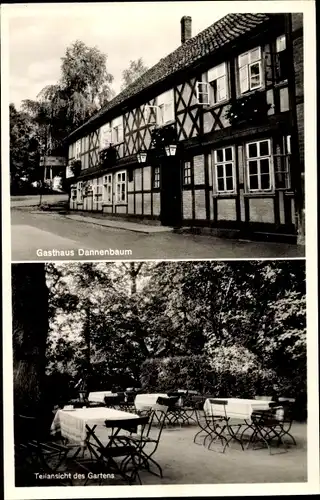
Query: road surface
(41, 236)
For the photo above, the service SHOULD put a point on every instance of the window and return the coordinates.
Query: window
(224, 170)
(165, 108)
(107, 191)
(79, 192)
(217, 78)
(97, 191)
(250, 70)
(187, 173)
(259, 166)
(105, 136)
(150, 114)
(156, 177)
(117, 130)
(69, 172)
(74, 193)
(121, 187)
(203, 95)
(282, 164)
(78, 149)
(281, 59)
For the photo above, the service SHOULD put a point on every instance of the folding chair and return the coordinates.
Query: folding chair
(103, 458)
(127, 403)
(223, 427)
(201, 421)
(184, 409)
(174, 411)
(35, 449)
(273, 425)
(112, 401)
(285, 423)
(147, 438)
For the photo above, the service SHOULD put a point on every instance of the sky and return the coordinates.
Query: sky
(39, 34)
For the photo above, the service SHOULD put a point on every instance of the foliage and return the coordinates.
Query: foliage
(135, 70)
(245, 318)
(163, 136)
(84, 71)
(250, 108)
(84, 87)
(24, 154)
(201, 373)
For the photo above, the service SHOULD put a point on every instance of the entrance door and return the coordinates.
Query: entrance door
(170, 214)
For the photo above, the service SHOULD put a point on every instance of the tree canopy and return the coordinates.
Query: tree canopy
(24, 148)
(133, 72)
(83, 87)
(109, 318)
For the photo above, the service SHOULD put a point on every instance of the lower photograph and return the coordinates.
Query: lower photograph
(151, 373)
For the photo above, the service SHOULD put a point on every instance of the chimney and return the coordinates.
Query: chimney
(185, 28)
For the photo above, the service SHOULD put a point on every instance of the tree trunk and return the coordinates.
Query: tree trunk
(29, 330)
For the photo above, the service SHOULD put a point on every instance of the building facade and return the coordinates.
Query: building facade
(229, 102)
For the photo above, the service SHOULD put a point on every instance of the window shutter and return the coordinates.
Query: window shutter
(150, 114)
(120, 133)
(244, 79)
(168, 114)
(105, 136)
(222, 88)
(268, 66)
(78, 149)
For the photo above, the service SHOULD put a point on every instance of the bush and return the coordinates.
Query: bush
(200, 373)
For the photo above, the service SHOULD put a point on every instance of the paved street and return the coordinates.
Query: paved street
(47, 235)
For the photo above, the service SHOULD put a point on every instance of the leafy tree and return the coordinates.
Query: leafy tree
(109, 318)
(24, 149)
(85, 75)
(135, 70)
(83, 88)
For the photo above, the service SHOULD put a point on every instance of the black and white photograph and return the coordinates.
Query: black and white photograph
(122, 372)
(159, 217)
(158, 135)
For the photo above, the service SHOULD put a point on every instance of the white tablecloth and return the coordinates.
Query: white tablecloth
(236, 408)
(147, 401)
(72, 423)
(98, 397)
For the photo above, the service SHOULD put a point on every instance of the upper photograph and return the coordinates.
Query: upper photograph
(152, 131)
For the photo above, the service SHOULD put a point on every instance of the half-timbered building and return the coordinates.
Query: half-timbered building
(212, 135)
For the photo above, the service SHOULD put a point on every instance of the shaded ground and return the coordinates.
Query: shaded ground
(184, 462)
(33, 199)
(34, 231)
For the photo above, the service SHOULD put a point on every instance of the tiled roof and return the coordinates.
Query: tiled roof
(223, 31)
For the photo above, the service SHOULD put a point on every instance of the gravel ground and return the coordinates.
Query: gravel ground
(184, 462)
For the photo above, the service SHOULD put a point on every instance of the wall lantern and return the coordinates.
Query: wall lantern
(142, 157)
(163, 140)
(171, 149)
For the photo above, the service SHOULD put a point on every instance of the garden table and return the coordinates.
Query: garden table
(236, 408)
(79, 425)
(98, 396)
(147, 401)
(230, 414)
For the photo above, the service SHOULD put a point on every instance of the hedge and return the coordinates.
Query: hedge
(198, 373)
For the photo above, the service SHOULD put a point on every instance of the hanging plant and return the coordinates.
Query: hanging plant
(108, 157)
(163, 136)
(76, 167)
(251, 108)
